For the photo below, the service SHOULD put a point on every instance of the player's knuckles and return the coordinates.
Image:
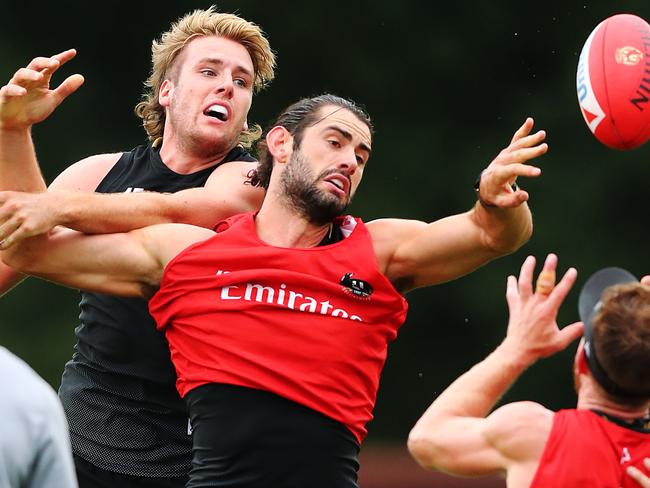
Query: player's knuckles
(25, 74)
(39, 63)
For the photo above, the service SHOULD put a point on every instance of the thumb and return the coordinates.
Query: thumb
(70, 85)
(570, 333)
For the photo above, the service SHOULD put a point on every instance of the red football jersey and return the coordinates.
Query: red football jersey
(311, 325)
(585, 449)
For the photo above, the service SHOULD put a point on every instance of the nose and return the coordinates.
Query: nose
(225, 85)
(349, 162)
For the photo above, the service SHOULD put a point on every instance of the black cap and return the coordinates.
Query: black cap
(588, 305)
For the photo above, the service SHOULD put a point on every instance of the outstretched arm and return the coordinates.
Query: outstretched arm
(129, 264)
(28, 214)
(453, 435)
(414, 254)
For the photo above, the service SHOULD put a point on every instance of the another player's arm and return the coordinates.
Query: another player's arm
(127, 264)
(38, 217)
(453, 435)
(22, 215)
(224, 194)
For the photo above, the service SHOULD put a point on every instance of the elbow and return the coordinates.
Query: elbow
(19, 259)
(422, 448)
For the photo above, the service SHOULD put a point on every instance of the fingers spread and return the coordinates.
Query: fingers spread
(70, 85)
(26, 76)
(570, 333)
(546, 279)
(65, 56)
(511, 290)
(524, 154)
(526, 277)
(524, 130)
(530, 140)
(12, 91)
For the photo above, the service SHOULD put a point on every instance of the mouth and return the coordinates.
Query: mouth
(218, 112)
(340, 182)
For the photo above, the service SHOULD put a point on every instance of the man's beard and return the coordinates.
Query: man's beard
(300, 189)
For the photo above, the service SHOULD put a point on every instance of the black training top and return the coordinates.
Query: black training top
(118, 390)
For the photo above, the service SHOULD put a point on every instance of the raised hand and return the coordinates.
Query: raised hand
(28, 98)
(532, 327)
(497, 180)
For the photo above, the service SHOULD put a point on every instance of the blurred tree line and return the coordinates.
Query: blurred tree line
(446, 84)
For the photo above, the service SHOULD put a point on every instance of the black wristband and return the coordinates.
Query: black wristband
(477, 189)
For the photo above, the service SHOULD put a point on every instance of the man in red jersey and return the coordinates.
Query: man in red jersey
(596, 444)
(278, 323)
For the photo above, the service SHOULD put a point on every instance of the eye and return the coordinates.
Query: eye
(207, 72)
(241, 82)
(360, 160)
(334, 142)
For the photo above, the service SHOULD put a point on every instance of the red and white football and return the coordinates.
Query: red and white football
(613, 81)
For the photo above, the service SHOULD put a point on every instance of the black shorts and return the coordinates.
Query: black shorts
(246, 438)
(90, 476)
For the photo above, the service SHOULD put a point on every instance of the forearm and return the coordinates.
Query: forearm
(117, 264)
(504, 230)
(476, 392)
(97, 213)
(19, 168)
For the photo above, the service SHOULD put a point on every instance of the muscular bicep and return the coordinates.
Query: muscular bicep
(119, 264)
(510, 438)
(458, 446)
(413, 253)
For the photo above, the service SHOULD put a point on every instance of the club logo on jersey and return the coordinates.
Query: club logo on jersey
(356, 287)
(628, 55)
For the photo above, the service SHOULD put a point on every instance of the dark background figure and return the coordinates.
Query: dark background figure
(445, 84)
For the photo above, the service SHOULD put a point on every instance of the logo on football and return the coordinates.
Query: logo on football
(628, 55)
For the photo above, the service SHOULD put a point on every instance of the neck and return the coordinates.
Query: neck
(589, 398)
(280, 225)
(183, 160)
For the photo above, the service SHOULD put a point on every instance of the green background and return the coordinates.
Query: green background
(446, 85)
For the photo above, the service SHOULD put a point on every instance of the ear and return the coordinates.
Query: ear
(280, 143)
(165, 93)
(581, 365)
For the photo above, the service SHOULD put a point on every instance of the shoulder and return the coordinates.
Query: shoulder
(519, 429)
(230, 184)
(387, 234)
(386, 231)
(235, 168)
(86, 174)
